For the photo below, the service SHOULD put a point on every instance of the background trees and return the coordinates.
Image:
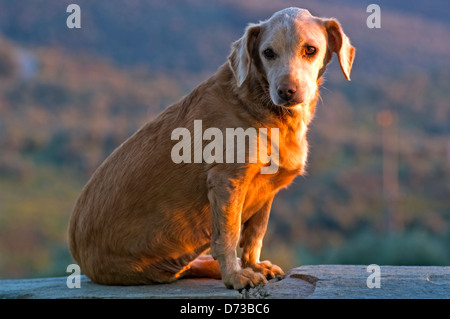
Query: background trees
(69, 97)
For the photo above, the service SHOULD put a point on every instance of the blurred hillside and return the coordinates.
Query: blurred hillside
(195, 35)
(69, 97)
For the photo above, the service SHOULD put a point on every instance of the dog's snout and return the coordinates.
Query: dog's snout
(286, 91)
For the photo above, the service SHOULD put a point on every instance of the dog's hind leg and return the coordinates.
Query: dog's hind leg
(203, 266)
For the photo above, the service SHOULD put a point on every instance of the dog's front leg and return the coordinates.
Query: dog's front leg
(226, 196)
(253, 232)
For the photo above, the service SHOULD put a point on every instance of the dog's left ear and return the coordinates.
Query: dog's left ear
(338, 42)
(240, 58)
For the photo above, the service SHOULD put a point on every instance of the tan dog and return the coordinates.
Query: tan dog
(144, 219)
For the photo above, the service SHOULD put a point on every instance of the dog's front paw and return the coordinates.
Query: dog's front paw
(244, 278)
(266, 268)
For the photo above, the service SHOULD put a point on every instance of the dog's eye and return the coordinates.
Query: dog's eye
(310, 50)
(269, 54)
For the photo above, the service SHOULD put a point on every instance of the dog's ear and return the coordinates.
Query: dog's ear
(338, 42)
(240, 59)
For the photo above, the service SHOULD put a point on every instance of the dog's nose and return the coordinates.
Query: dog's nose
(286, 91)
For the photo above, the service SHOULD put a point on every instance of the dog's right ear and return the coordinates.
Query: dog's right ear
(240, 59)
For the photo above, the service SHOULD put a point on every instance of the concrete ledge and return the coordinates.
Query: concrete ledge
(316, 282)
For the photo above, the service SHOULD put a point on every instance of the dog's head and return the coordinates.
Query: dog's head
(291, 51)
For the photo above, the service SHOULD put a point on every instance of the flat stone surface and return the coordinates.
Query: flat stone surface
(55, 288)
(315, 282)
(350, 282)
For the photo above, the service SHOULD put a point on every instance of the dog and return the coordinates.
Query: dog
(144, 219)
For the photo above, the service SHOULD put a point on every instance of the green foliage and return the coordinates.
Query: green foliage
(34, 217)
(412, 247)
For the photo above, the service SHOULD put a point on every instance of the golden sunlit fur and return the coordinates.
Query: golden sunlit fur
(143, 219)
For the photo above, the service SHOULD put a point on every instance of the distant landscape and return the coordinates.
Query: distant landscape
(69, 97)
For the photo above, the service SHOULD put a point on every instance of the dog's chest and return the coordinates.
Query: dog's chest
(293, 153)
(264, 186)
(282, 178)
